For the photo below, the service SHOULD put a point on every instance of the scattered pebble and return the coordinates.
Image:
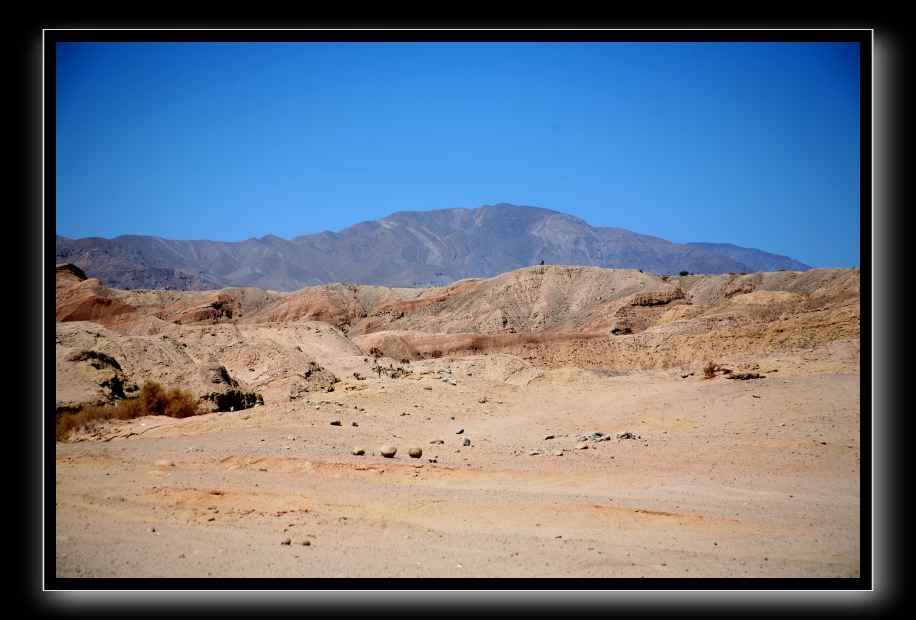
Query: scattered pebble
(335, 422)
(152, 530)
(415, 452)
(627, 435)
(546, 437)
(558, 453)
(435, 441)
(427, 387)
(534, 452)
(286, 541)
(358, 451)
(459, 431)
(466, 442)
(387, 451)
(354, 423)
(165, 463)
(583, 446)
(482, 399)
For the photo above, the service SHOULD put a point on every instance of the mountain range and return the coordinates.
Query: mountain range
(404, 249)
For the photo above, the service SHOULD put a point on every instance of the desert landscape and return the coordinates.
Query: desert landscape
(551, 421)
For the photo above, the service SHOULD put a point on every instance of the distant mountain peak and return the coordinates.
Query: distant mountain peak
(405, 248)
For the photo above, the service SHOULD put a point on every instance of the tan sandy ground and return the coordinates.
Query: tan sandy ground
(729, 478)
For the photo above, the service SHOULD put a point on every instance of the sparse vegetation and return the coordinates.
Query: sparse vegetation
(744, 376)
(390, 371)
(152, 400)
(711, 369)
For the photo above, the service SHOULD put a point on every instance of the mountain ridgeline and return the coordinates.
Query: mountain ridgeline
(405, 249)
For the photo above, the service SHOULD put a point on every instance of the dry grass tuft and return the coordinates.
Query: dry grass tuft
(152, 400)
(709, 370)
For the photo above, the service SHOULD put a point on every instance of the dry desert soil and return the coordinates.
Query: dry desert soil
(566, 425)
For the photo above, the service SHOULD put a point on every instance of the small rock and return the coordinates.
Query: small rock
(388, 451)
(152, 530)
(433, 460)
(306, 543)
(546, 437)
(165, 463)
(582, 446)
(558, 453)
(335, 422)
(627, 435)
(317, 408)
(415, 452)
(358, 451)
(286, 541)
(594, 435)
(427, 387)
(459, 431)
(437, 441)
(354, 423)
(534, 452)
(192, 449)
(466, 442)
(290, 438)
(482, 399)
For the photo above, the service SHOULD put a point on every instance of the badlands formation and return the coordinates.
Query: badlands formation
(564, 424)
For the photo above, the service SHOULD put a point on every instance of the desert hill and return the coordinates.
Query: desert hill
(274, 344)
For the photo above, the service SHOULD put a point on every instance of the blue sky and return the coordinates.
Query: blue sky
(755, 144)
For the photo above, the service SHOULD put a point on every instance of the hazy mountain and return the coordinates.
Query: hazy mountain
(408, 248)
(756, 260)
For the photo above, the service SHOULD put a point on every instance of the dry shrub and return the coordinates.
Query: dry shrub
(709, 370)
(152, 400)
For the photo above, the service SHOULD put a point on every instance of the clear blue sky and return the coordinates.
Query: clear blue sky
(748, 143)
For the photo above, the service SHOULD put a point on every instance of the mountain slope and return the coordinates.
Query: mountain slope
(419, 248)
(756, 260)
